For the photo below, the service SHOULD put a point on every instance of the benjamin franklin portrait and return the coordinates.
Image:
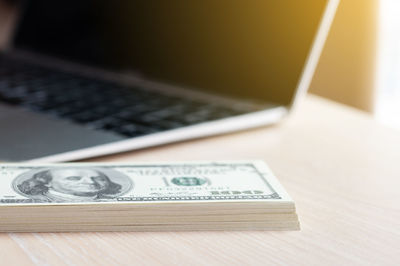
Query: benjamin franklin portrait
(78, 184)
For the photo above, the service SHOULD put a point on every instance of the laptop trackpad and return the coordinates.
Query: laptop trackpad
(26, 135)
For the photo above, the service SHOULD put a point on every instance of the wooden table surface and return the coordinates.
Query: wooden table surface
(340, 166)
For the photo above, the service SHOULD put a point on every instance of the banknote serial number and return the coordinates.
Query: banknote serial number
(20, 201)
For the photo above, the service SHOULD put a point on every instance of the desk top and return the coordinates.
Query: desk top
(341, 168)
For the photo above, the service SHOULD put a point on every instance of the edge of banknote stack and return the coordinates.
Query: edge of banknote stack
(162, 196)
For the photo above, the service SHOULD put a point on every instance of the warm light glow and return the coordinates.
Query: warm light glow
(388, 80)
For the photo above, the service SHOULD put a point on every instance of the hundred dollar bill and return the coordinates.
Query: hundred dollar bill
(88, 183)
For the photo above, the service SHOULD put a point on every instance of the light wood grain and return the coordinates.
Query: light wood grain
(341, 168)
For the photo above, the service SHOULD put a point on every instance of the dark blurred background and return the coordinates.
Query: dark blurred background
(358, 66)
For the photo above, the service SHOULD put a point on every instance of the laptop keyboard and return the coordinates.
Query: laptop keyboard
(101, 105)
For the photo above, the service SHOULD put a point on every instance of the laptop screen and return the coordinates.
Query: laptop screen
(253, 49)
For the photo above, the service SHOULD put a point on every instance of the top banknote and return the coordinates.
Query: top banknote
(93, 183)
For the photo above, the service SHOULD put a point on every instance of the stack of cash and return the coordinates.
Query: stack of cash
(143, 197)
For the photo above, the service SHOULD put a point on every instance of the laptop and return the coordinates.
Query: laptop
(89, 78)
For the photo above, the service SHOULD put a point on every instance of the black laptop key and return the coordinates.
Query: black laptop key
(103, 109)
(10, 99)
(64, 111)
(134, 130)
(86, 117)
(108, 123)
(38, 105)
